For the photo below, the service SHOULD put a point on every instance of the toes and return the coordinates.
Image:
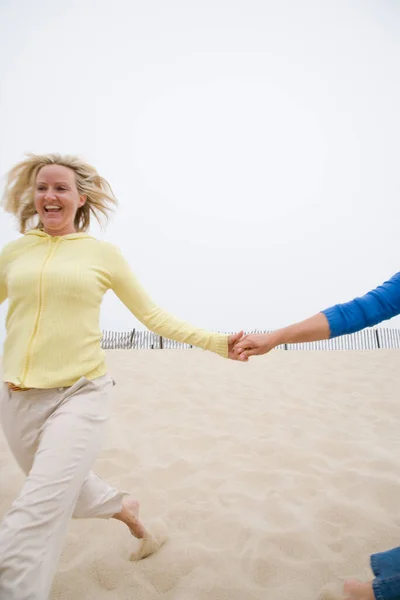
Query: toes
(155, 537)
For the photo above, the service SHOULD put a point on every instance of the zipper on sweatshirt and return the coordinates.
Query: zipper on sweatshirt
(53, 243)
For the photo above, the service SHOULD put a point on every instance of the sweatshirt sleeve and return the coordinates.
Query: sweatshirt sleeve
(3, 276)
(376, 306)
(128, 289)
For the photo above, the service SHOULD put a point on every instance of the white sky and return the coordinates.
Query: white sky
(253, 145)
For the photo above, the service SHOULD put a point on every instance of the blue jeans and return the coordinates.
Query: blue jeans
(386, 568)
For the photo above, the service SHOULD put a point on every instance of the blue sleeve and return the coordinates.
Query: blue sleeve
(380, 304)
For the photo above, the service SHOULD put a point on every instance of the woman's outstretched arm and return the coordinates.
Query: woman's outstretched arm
(376, 306)
(128, 289)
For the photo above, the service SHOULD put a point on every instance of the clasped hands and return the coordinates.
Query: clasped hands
(241, 347)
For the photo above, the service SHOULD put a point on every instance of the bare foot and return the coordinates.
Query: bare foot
(130, 516)
(155, 537)
(151, 539)
(355, 590)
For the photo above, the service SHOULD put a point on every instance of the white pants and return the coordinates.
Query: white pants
(55, 436)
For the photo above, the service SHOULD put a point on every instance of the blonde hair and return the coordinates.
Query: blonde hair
(18, 197)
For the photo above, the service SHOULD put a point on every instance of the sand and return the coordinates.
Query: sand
(274, 477)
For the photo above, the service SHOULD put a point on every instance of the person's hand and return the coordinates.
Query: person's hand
(232, 340)
(252, 344)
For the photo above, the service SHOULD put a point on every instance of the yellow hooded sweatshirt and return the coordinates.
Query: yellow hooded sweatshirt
(55, 286)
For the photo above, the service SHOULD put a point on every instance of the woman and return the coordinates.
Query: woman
(55, 396)
(378, 305)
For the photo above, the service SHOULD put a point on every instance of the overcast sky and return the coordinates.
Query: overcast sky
(253, 145)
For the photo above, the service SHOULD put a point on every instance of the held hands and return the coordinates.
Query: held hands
(312, 329)
(250, 345)
(232, 341)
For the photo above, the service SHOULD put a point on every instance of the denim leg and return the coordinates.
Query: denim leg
(387, 588)
(386, 564)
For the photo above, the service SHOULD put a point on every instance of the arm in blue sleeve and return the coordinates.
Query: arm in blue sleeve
(378, 305)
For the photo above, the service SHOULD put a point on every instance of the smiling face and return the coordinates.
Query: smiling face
(57, 199)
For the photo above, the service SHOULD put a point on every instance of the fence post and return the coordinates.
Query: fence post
(377, 338)
(161, 342)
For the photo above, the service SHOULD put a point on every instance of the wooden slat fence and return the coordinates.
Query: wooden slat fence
(368, 339)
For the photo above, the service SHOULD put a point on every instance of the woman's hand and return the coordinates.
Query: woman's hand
(253, 344)
(312, 329)
(232, 340)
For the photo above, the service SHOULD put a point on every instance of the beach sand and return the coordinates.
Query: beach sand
(274, 477)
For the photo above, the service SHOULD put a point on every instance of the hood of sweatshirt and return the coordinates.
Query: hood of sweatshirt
(69, 236)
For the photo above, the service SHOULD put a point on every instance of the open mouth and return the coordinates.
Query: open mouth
(52, 208)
